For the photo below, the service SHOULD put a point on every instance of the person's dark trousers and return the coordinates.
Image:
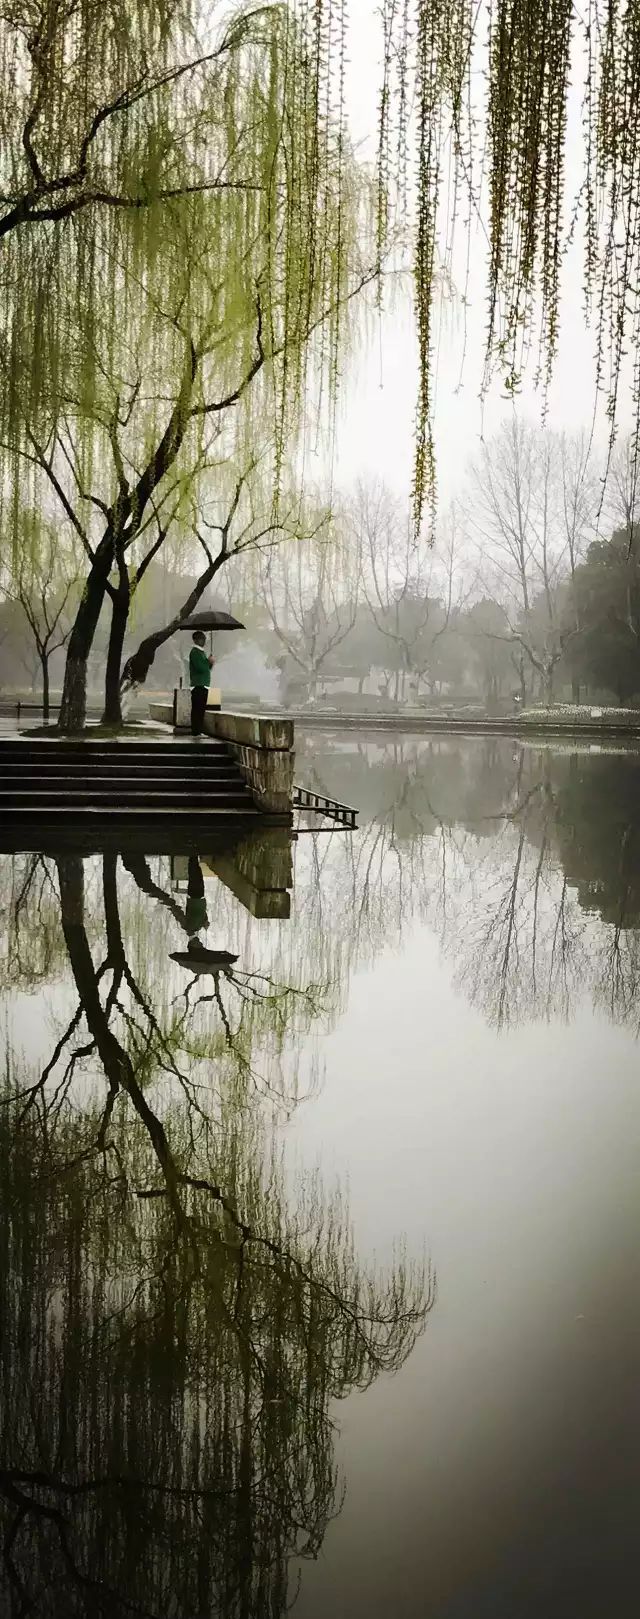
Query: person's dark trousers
(195, 883)
(199, 695)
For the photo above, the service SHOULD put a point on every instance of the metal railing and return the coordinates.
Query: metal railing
(17, 705)
(305, 799)
(11, 707)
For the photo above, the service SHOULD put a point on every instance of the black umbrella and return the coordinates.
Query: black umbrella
(211, 621)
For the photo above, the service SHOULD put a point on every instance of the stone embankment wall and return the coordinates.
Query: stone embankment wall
(262, 747)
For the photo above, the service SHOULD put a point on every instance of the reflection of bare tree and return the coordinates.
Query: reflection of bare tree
(526, 945)
(619, 983)
(514, 930)
(174, 1327)
(30, 921)
(525, 862)
(357, 894)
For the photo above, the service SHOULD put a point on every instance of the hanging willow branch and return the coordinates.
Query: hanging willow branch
(426, 66)
(437, 54)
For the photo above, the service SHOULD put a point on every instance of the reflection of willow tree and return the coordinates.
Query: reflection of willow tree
(173, 1330)
(526, 863)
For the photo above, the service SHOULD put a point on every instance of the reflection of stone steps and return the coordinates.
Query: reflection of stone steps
(257, 868)
(120, 779)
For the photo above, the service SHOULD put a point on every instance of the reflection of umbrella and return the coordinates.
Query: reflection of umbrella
(202, 960)
(210, 621)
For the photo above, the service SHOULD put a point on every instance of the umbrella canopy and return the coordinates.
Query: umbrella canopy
(210, 621)
(204, 960)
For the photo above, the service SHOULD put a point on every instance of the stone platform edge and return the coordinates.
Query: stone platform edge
(262, 747)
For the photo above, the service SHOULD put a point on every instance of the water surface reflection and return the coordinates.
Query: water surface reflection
(443, 1007)
(524, 860)
(175, 1324)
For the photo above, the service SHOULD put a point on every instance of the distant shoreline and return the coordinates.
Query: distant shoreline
(516, 725)
(590, 722)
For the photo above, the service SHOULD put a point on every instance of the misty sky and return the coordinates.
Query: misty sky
(375, 424)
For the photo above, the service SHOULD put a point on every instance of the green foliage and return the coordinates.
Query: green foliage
(604, 602)
(487, 634)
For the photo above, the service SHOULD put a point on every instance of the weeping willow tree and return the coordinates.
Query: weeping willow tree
(180, 238)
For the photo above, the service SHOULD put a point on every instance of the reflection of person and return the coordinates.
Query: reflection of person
(200, 665)
(196, 907)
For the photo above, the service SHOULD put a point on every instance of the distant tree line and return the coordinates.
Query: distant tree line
(530, 592)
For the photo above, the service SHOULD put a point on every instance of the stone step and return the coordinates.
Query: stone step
(104, 798)
(63, 817)
(103, 775)
(114, 750)
(184, 768)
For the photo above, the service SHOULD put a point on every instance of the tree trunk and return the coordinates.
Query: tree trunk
(523, 684)
(575, 691)
(45, 686)
(117, 1064)
(73, 707)
(74, 694)
(119, 617)
(138, 665)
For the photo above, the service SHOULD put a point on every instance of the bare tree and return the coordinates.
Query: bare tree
(620, 494)
(412, 591)
(581, 492)
(40, 576)
(532, 506)
(311, 596)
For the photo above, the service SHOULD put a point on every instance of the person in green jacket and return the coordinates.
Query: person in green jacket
(200, 666)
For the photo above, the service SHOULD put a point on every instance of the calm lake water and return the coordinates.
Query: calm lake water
(320, 1202)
